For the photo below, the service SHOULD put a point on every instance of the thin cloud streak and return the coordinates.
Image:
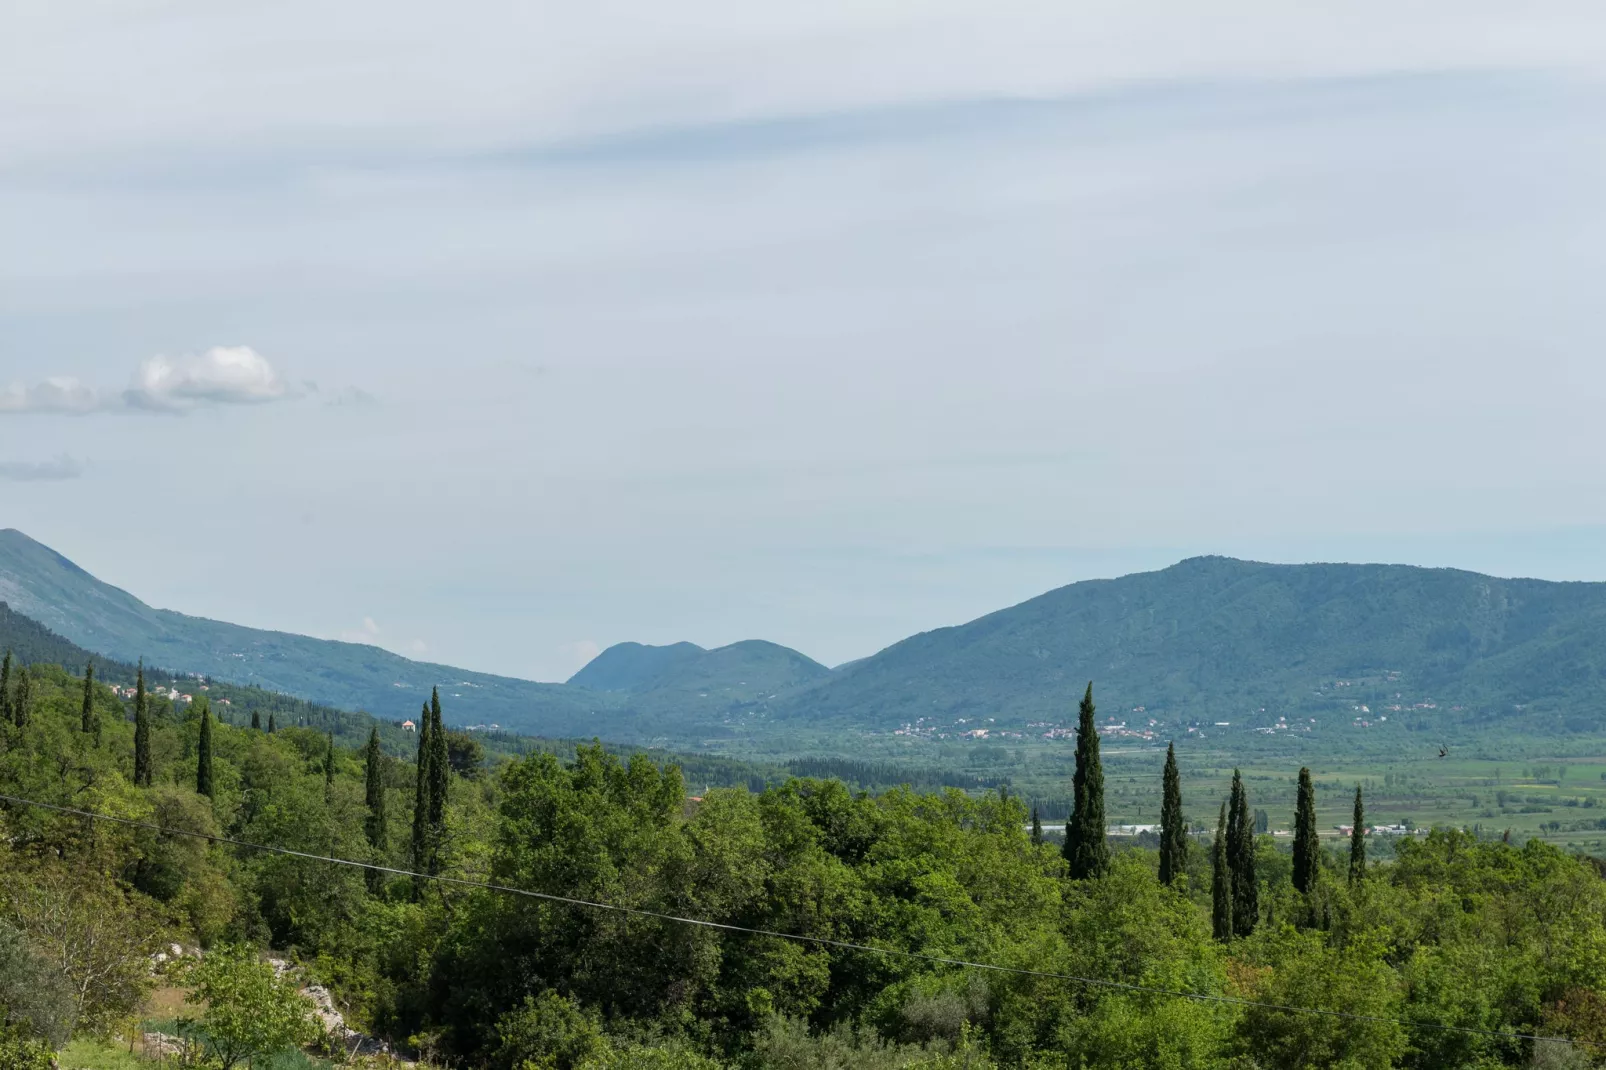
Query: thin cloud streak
(57, 470)
(223, 375)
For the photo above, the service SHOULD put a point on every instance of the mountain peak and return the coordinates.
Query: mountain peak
(631, 666)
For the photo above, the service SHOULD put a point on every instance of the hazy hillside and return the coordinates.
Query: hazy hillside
(45, 586)
(631, 666)
(1207, 639)
(1215, 638)
(659, 676)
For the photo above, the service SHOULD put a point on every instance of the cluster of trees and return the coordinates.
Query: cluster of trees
(1445, 956)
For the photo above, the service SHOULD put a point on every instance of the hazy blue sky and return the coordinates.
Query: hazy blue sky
(499, 332)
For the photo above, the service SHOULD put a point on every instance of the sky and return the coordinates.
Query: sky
(494, 333)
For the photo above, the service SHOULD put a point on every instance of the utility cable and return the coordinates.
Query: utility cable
(1094, 982)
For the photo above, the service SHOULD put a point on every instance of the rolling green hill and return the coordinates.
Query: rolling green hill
(632, 666)
(31, 643)
(667, 678)
(44, 586)
(1210, 639)
(1214, 639)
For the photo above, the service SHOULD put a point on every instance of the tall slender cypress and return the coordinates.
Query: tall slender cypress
(22, 697)
(1241, 860)
(90, 723)
(203, 754)
(5, 688)
(374, 796)
(439, 773)
(1086, 848)
(329, 764)
(142, 732)
(421, 799)
(271, 725)
(1307, 851)
(1357, 841)
(256, 720)
(1037, 829)
(1220, 882)
(1173, 829)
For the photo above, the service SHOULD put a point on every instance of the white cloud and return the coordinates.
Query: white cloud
(55, 470)
(57, 394)
(167, 76)
(223, 375)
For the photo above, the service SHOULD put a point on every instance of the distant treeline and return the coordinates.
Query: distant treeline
(871, 775)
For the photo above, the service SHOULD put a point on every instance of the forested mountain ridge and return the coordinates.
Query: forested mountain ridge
(47, 587)
(1215, 638)
(1208, 639)
(31, 643)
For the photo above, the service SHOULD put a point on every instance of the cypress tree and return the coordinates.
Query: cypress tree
(270, 722)
(421, 800)
(375, 798)
(1086, 849)
(1173, 830)
(203, 753)
(1307, 851)
(91, 723)
(5, 688)
(440, 769)
(1220, 883)
(329, 764)
(256, 720)
(1037, 829)
(1357, 842)
(22, 698)
(142, 732)
(1241, 860)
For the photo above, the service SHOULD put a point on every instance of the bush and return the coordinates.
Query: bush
(18, 1052)
(548, 1033)
(250, 1011)
(35, 999)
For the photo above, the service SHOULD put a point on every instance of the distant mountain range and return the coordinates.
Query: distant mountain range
(43, 585)
(1214, 638)
(1208, 639)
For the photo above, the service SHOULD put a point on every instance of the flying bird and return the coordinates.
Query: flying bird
(1443, 750)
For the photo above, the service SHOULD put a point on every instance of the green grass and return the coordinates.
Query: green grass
(86, 1054)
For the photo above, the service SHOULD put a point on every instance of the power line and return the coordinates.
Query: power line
(1095, 982)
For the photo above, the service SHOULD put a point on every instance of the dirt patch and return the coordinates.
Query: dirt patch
(168, 1002)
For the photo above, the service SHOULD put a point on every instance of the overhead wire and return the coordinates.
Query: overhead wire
(821, 941)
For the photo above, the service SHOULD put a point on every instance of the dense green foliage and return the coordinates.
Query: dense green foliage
(1086, 850)
(1220, 882)
(1242, 864)
(1454, 930)
(1173, 827)
(1307, 849)
(246, 1011)
(1357, 840)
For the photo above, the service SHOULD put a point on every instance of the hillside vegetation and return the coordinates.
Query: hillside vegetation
(43, 585)
(1219, 639)
(1207, 640)
(1451, 953)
